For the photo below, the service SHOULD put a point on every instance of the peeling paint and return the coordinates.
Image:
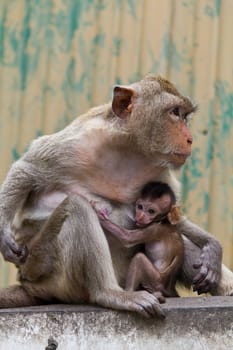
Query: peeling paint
(60, 57)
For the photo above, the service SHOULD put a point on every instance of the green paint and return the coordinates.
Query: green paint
(39, 133)
(192, 79)
(24, 57)
(175, 57)
(116, 46)
(118, 81)
(15, 154)
(214, 9)
(70, 80)
(190, 6)
(72, 87)
(2, 30)
(225, 99)
(74, 17)
(195, 165)
(191, 172)
(76, 11)
(132, 7)
(209, 11)
(14, 42)
(185, 184)
(99, 39)
(206, 201)
(210, 139)
(218, 6)
(101, 5)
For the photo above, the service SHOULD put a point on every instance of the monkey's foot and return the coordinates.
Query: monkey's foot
(142, 302)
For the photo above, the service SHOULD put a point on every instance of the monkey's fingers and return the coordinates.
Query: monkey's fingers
(203, 282)
(201, 274)
(145, 304)
(207, 284)
(203, 287)
(152, 308)
(11, 251)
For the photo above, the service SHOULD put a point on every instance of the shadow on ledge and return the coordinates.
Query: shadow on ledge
(191, 323)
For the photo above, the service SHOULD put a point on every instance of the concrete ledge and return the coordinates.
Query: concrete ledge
(191, 323)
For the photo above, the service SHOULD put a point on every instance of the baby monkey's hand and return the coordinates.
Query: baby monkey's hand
(102, 212)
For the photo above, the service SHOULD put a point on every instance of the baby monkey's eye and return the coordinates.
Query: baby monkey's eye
(151, 211)
(139, 206)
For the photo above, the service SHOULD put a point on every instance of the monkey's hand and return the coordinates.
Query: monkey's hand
(103, 210)
(103, 214)
(209, 266)
(11, 251)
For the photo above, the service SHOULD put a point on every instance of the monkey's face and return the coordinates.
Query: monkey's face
(177, 137)
(155, 115)
(148, 210)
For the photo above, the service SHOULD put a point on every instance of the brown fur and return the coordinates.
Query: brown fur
(155, 213)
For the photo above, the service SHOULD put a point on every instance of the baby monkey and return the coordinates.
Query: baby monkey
(156, 215)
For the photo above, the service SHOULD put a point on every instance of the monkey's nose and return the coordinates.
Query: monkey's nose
(140, 218)
(190, 140)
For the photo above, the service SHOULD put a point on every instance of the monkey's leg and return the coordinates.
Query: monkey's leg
(90, 249)
(17, 296)
(51, 228)
(143, 272)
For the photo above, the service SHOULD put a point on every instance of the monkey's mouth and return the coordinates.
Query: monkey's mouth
(182, 155)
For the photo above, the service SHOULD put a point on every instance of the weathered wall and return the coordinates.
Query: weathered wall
(191, 323)
(59, 57)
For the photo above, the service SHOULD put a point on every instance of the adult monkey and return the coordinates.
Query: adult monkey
(111, 151)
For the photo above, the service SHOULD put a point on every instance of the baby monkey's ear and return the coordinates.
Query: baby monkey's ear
(174, 215)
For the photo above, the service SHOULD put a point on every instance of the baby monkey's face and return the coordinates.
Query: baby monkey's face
(152, 209)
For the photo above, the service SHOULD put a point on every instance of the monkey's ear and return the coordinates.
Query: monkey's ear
(122, 103)
(174, 215)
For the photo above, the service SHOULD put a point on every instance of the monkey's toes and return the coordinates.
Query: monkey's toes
(147, 305)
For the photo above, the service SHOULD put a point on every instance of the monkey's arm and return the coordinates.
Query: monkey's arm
(129, 238)
(210, 262)
(13, 193)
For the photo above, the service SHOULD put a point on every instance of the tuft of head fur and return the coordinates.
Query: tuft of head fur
(165, 84)
(157, 189)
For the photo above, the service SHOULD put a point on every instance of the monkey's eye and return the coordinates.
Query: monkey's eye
(151, 211)
(139, 206)
(175, 113)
